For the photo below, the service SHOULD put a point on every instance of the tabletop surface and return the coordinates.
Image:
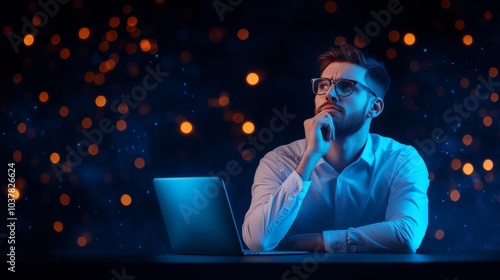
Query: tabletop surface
(168, 257)
(163, 265)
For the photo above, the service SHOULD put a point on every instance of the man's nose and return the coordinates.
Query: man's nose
(332, 93)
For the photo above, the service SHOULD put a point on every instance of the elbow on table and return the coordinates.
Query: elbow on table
(409, 237)
(259, 244)
(410, 247)
(409, 244)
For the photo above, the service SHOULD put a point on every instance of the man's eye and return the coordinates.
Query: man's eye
(346, 86)
(323, 85)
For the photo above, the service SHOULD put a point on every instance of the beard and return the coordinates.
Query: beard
(349, 126)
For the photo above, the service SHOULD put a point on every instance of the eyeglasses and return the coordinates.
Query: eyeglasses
(343, 87)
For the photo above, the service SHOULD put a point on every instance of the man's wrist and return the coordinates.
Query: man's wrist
(306, 165)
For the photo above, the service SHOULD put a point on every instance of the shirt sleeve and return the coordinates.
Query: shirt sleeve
(406, 216)
(276, 200)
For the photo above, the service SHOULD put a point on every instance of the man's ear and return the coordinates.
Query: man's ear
(377, 108)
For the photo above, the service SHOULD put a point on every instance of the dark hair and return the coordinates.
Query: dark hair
(376, 70)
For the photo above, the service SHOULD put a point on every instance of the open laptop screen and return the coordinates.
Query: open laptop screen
(198, 215)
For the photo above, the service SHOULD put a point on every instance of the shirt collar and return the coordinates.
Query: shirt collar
(367, 154)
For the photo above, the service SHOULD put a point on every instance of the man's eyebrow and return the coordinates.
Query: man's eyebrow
(335, 76)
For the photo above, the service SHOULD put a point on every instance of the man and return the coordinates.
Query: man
(342, 188)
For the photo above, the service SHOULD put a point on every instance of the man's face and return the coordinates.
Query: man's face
(349, 113)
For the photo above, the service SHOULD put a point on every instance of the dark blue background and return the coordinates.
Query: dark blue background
(285, 39)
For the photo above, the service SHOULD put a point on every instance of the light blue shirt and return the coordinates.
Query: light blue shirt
(376, 204)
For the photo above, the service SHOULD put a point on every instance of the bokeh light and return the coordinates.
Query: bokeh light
(488, 164)
(43, 96)
(494, 97)
(55, 39)
(86, 122)
(64, 199)
(487, 15)
(64, 111)
(126, 200)
(121, 125)
(186, 127)
(114, 22)
(467, 139)
(84, 33)
(139, 163)
(216, 34)
(248, 127)
(409, 39)
(132, 21)
(439, 234)
(493, 72)
(468, 168)
(330, 7)
(445, 4)
(17, 156)
(55, 158)
(64, 53)
(44, 178)
(459, 24)
(29, 39)
(93, 149)
(487, 121)
(58, 226)
(111, 35)
(21, 127)
(456, 164)
(454, 195)
(238, 117)
(467, 40)
(394, 36)
(17, 78)
(81, 241)
(340, 40)
(100, 101)
(243, 34)
(252, 79)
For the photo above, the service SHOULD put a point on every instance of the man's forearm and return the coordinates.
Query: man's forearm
(306, 165)
(271, 216)
(312, 242)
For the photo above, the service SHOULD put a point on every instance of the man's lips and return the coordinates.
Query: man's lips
(329, 107)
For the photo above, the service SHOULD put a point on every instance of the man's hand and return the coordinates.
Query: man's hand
(319, 130)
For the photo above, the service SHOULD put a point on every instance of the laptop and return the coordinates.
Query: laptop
(199, 219)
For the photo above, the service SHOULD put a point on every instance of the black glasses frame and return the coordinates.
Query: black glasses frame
(337, 82)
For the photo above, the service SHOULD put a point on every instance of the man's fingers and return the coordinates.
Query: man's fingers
(326, 133)
(324, 122)
(331, 127)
